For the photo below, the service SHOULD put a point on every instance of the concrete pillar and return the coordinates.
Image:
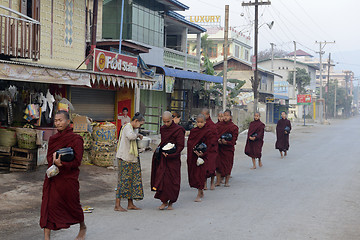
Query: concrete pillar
(198, 44)
(184, 40)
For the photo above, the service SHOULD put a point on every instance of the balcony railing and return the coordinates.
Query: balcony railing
(19, 37)
(181, 60)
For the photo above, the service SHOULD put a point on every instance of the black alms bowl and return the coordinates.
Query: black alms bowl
(66, 154)
(227, 136)
(169, 151)
(201, 147)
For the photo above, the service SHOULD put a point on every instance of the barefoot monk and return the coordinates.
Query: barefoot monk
(165, 170)
(283, 128)
(60, 207)
(225, 158)
(254, 142)
(197, 160)
(212, 151)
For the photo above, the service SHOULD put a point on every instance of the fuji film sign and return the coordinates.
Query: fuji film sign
(113, 63)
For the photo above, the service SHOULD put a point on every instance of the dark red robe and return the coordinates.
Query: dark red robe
(213, 150)
(60, 205)
(253, 148)
(197, 174)
(282, 139)
(225, 159)
(165, 174)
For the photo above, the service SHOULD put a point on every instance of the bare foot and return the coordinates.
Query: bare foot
(217, 185)
(163, 206)
(212, 187)
(205, 188)
(197, 199)
(120, 209)
(227, 185)
(285, 154)
(253, 168)
(82, 233)
(133, 207)
(260, 163)
(170, 207)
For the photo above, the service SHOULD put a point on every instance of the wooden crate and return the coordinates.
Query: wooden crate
(23, 160)
(5, 157)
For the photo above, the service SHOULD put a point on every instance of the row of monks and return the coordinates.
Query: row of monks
(217, 160)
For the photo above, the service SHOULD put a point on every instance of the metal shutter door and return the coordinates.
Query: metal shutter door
(94, 103)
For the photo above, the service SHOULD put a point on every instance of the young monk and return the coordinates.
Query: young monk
(165, 170)
(60, 207)
(282, 136)
(176, 117)
(225, 158)
(212, 151)
(255, 140)
(196, 172)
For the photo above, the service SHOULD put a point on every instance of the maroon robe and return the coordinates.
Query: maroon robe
(197, 174)
(60, 205)
(165, 174)
(282, 139)
(253, 148)
(213, 151)
(225, 159)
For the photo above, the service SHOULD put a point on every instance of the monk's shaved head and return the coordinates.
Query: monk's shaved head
(167, 115)
(201, 116)
(167, 118)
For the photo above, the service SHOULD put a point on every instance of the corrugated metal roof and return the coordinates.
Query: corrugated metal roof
(190, 75)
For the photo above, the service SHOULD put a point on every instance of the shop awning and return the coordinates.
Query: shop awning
(276, 96)
(191, 75)
(28, 72)
(120, 81)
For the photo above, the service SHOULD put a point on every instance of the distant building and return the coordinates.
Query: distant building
(239, 44)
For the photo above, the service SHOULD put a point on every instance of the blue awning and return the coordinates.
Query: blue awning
(191, 75)
(276, 96)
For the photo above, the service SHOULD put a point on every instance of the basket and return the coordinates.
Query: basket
(102, 159)
(7, 138)
(86, 136)
(26, 138)
(104, 132)
(86, 160)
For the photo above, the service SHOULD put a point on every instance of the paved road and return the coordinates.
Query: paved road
(312, 194)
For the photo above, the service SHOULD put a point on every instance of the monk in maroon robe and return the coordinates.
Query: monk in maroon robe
(165, 171)
(255, 140)
(212, 151)
(197, 161)
(225, 158)
(60, 207)
(282, 136)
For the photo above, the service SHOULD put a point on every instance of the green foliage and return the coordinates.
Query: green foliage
(302, 79)
(341, 101)
(246, 123)
(206, 44)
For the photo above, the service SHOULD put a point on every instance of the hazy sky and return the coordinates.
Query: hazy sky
(304, 21)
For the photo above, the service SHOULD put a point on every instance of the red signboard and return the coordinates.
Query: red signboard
(304, 99)
(114, 63)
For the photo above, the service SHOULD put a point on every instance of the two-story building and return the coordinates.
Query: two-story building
(155, 25)
(242, 70)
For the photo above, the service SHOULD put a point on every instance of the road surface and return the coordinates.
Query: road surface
(314, 193)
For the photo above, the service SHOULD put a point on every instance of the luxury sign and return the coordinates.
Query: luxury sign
(110, 62)
(205, 19)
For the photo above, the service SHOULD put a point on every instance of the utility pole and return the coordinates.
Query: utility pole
(321, 52)
(335, 112)
(256, 78)
(327, 103)
(94, 24)
(226, 36)
(294, 76)
(272, 56)
(346, 93)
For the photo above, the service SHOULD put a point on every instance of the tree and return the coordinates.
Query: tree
(206, 44)
(341, 102)
(266, 54)
(302, 79)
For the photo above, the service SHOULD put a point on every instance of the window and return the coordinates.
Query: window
(31, 8)
(247, 55)
(212, 51)
(237, 51)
